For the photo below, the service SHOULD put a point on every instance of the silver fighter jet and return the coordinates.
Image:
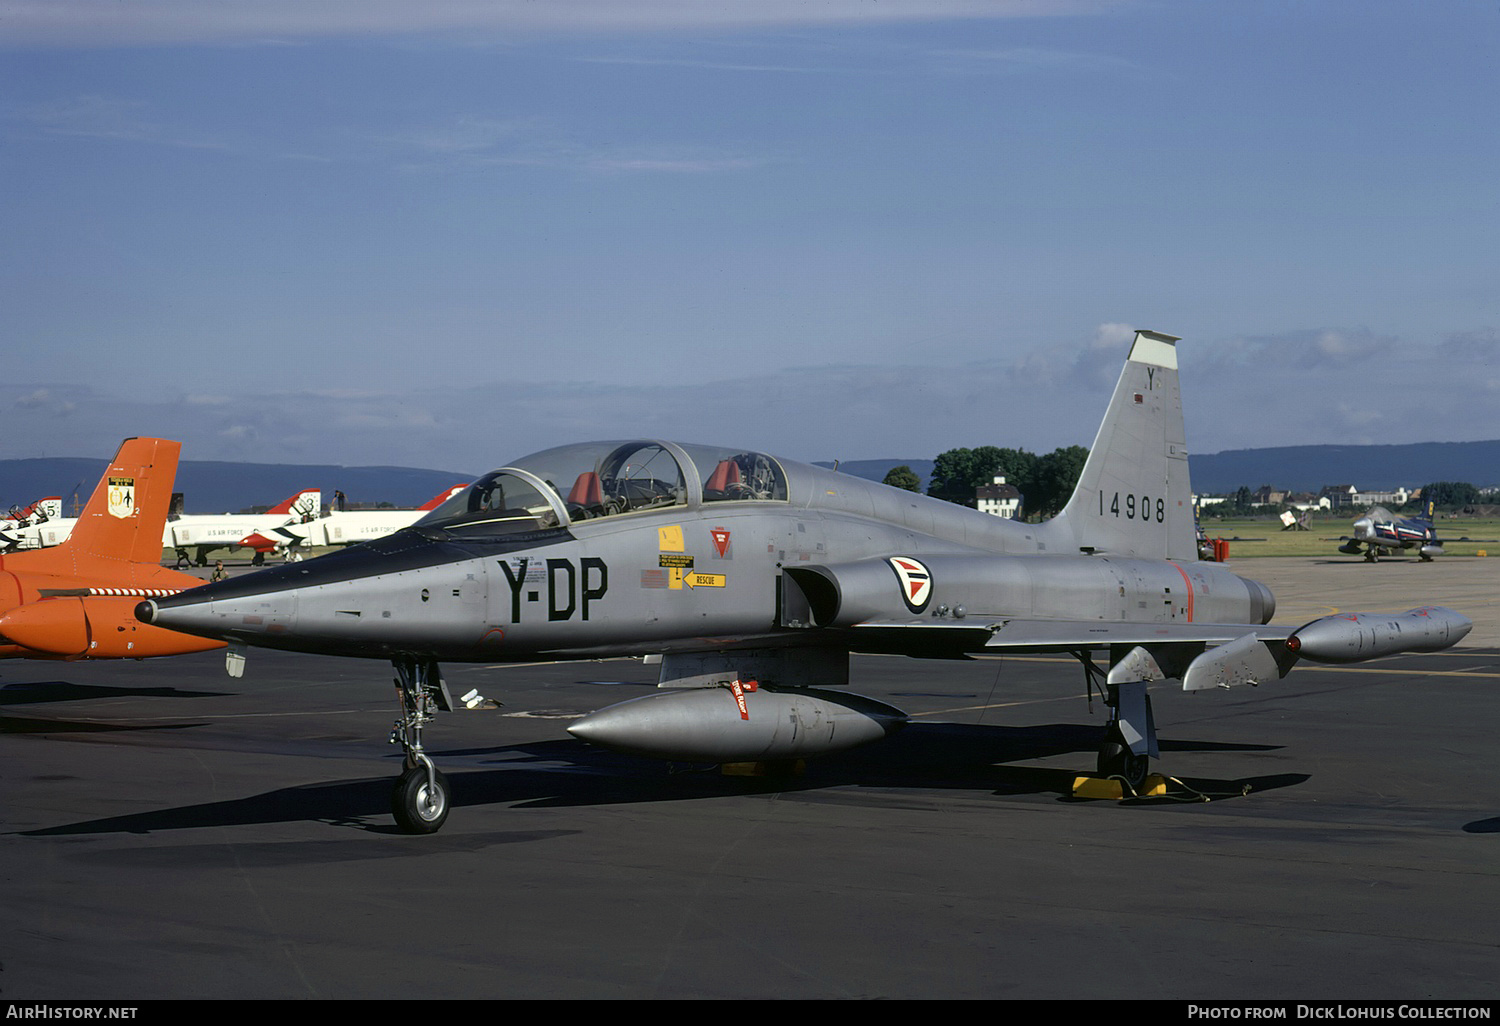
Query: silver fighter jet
(751, 579)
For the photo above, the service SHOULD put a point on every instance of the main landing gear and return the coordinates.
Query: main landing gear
(1117, 760)
(1130, 735)
(421, 797)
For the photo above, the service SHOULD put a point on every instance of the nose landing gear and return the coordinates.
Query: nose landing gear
(420, 799)
(421, 796)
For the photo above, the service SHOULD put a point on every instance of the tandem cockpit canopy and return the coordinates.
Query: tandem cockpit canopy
(577, 483)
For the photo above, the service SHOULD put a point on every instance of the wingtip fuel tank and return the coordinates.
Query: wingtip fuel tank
(1353, 637)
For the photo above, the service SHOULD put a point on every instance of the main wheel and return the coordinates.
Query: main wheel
(418, 808)
(1117, 760)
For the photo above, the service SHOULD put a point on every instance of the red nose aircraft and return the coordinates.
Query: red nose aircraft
(76, 600)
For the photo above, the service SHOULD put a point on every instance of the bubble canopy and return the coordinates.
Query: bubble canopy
(574, 484)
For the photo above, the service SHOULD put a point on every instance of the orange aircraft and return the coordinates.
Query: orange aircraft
(77, 600)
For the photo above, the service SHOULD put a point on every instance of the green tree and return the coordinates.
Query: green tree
(1053, 478)
(951, 473)
(1045, 482)
(1450, 494)
(957, 473)
(903, 477)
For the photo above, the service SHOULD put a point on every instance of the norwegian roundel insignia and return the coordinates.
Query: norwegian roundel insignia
(916, 582)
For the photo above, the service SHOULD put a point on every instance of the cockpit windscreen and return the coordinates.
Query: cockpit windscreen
(578, 483)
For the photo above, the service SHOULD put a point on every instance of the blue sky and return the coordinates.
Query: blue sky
(445, 234)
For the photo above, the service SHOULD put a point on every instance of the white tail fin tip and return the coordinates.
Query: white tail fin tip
(1156, 349)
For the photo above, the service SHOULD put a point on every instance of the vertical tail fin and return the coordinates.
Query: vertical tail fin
(124, 519)
(305, 504)
(1133, 497)
(441, 497)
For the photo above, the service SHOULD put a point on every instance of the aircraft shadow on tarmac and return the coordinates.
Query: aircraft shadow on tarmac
(924, 756)
(29, 725)
(66, 691)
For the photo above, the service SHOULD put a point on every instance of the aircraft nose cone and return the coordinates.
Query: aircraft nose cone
(257, 541)
(1362, 527)
(228, 608)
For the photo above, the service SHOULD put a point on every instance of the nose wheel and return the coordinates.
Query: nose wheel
(421, 796)
(419, 800)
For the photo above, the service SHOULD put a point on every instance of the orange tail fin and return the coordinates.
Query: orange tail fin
(127, 514)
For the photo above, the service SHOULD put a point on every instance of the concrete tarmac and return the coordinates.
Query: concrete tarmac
(170, 832)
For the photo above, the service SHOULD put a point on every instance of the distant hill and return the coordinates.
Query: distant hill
(220, 487)
(1301, 468)
(1306, 468)
(216, 487)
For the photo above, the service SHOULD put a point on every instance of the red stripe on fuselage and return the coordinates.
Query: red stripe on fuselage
(1188, 581)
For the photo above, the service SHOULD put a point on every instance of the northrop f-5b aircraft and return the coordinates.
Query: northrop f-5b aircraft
(752, 579)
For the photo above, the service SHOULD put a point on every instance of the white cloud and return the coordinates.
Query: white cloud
(112, 119)
(1024, 59)
(280, 22)
(1236, 395)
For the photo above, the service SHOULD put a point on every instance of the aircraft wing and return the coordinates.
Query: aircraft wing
(1202, 655)
(976, 634)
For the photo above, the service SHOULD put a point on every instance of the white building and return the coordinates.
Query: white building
(998, 499)
(1396, 498)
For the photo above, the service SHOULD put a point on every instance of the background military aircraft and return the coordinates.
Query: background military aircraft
(1379, 531)
(37, 526)
(751, 580)
(208, 532)
(76, 600)
(337, 526)
(42, 525)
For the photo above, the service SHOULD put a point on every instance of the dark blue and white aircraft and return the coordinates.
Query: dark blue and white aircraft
(752, 579)
(1380, 530)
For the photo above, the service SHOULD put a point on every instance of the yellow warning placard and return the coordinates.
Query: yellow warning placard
(670, 538)
(697, 580)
